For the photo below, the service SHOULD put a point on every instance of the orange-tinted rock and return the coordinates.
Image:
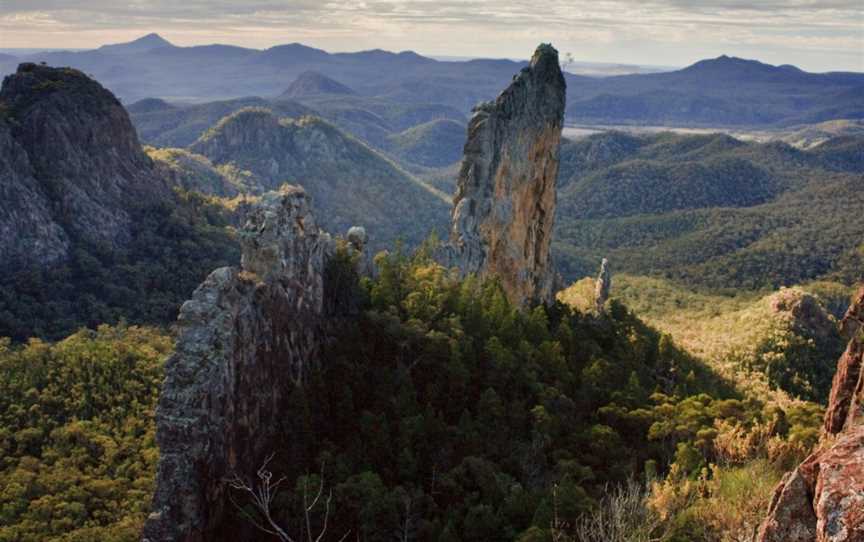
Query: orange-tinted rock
(504, 208)
(823, 499)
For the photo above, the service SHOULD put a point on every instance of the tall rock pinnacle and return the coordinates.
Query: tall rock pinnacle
(504, 208)
(602, 286)
(247, 339)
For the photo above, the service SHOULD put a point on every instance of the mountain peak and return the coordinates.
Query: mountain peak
(731, 68)
(144, 43)
(310, 83)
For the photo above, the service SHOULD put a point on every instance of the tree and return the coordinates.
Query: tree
(264, 491)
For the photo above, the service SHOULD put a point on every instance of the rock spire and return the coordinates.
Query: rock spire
(247, 339)
(504, 208)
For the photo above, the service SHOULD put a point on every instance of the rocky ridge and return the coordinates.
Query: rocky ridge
(823, 499)
(72, 167)
(504, 208)
(248, 337)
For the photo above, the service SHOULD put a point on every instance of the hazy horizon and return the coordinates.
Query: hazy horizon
(816, 36)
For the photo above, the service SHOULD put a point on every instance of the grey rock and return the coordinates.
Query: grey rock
(247, 338)
(603, 286)
(71, 166)
(357, 237)
(504, 208)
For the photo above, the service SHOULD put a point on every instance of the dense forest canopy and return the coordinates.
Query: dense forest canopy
(442, 410)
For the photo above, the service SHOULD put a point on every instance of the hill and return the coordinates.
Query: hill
(312, 83)
(710, 211)
(140, 45)
(196, 173)
(816, 134)
(350, 183)
(92, 230)
(371, 119)
(163, 124)
(724, 91)
(781, 344)
(436, 143)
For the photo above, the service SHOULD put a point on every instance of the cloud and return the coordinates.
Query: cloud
(823, 33)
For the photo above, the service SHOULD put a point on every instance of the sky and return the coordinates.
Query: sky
(816, 35)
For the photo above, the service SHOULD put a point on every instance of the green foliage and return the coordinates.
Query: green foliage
(77, 435)
(444, 410)
(310, 152)
(174, 245)
(711, 212)
(785, 343)
(436, 143)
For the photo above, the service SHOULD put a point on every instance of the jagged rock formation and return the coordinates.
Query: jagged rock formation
(823, 499)
(504, 207)
(602, 286)
(71, 167)
(349, 182)
(247, 338)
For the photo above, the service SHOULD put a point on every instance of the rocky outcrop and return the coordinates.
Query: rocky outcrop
(504, 208)
(823, 499)
(602, 286)
(248, 338)
(71, 166)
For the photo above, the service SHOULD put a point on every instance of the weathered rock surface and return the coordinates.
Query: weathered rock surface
(248, 338)
(823, 499)
(71, 166)
(504, 208)
(603, 286)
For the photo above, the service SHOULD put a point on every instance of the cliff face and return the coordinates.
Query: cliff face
(823, 499)
(28, 232)
(247, 339)
(70, 162)
(504, 207)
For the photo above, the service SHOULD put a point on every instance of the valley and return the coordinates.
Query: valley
(356, 272)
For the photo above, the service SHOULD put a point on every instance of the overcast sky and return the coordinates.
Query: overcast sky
(817, 35)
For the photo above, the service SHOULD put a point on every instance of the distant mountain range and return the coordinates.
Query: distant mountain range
(724, 91)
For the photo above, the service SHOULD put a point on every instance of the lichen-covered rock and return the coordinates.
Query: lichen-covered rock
(839, 494)
(791, 515)
(71, 166)
(247, 339)
(504, 208)
(823, 499)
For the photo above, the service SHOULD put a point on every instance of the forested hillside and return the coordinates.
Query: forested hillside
(443, 411)
(711, 211)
